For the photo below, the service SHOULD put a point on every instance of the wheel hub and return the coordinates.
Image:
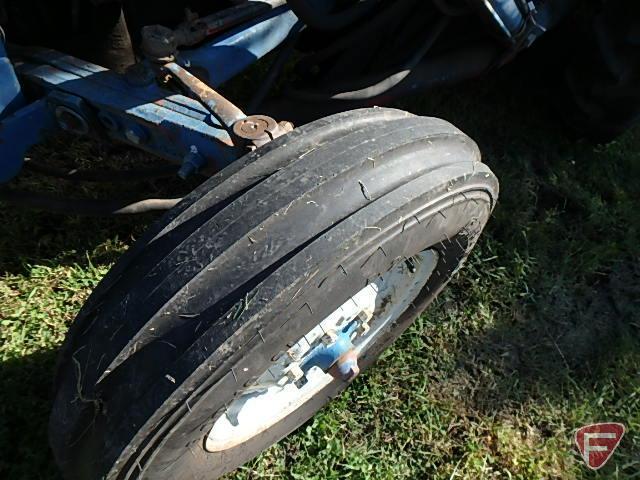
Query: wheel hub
(327, 353)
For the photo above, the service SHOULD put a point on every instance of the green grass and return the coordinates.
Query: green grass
(537, 335)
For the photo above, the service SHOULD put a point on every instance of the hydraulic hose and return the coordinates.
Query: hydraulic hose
(380, 87)
(444, 69)
(85, 207)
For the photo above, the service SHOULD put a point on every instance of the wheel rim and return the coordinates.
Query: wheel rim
(327, 353)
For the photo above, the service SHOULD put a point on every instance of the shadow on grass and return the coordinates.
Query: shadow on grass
(567, 342)
(25, 399)
(545, 314)
(565, 357)
(38, 238)
(32, 237)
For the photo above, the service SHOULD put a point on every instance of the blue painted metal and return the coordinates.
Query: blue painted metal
(71, 112)
(325, 356)
(507, 15)
(15, 131)
(228, 55)
(530, 24)
(23, 129)
(148, 117)
(139, 113)
(10, 94)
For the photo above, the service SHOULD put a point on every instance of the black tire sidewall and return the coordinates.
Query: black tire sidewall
(193, 462)
(148, 416)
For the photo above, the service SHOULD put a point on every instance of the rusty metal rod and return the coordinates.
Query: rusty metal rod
(221, 108)
(197, 30)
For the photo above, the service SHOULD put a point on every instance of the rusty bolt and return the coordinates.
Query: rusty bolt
(136, 134)
(285, 126)
(191, 163)
(294, 353)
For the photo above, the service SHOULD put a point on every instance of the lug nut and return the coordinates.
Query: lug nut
(364, 317)
(294, 353)
(329, 337)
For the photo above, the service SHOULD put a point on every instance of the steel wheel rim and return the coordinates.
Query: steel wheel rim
(279, 391)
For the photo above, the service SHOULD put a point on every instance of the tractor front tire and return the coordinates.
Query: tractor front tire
(245, 266)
